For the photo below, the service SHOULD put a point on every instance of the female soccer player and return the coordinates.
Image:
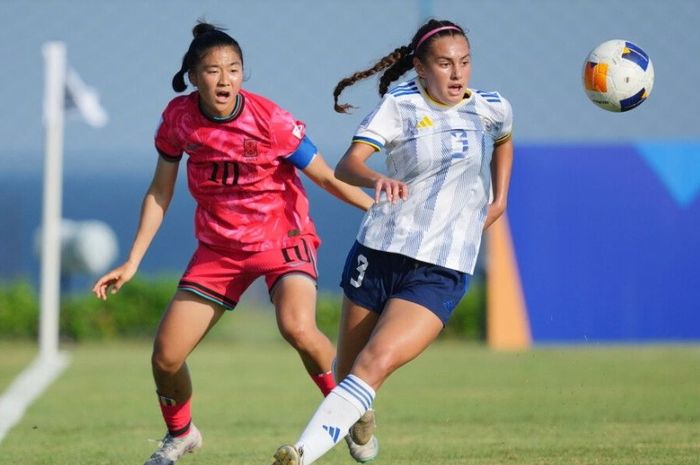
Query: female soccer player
(252, 220)
(448, 148)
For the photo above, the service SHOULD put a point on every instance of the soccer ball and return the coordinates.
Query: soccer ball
(618, 75)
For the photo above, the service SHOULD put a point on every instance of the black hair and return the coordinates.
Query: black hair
(206, 36)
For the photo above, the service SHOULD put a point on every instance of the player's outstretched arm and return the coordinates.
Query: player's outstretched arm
(155, 204)
(353, 169)
(112, 281)
(501, 168)
(322, 174)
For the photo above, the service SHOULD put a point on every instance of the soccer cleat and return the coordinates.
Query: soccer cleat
(287, 455)
(363, 430)
(363, 453)
(172, 448)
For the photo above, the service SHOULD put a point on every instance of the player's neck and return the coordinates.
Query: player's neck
(466, 96)
(237, 106)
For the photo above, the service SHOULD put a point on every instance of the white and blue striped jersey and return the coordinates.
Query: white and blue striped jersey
(443, 153)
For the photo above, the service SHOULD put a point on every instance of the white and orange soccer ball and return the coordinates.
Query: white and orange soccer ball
(618, 75)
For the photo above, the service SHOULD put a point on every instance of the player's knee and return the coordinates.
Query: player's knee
(301, 333)
(296, 334)
(165, 362)
(375, 366)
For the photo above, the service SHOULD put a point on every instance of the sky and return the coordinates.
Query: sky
(295, 52)
(531, 51)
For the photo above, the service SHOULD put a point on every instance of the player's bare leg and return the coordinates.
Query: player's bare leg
(403, 331)
(186, 321)
(294, 298)
(356, 326)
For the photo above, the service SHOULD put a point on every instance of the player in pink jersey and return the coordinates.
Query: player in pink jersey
(252, 220)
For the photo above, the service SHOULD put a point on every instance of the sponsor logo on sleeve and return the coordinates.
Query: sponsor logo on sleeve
(298, 131)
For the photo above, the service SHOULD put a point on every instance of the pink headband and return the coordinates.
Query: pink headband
(435, 31)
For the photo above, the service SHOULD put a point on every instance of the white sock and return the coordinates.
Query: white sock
(345, 404)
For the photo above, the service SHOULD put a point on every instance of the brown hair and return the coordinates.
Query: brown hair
(398, 62)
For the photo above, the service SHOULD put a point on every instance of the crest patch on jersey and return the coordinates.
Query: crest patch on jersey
(250, 148)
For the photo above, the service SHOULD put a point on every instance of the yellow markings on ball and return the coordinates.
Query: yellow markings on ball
(596, 77)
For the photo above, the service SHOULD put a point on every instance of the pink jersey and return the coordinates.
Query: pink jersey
(249, 196)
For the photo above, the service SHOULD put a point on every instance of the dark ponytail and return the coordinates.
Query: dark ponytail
(399, 61)
(206, 36)
(400, 55)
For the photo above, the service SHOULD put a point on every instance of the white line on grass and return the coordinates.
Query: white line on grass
(28, 386)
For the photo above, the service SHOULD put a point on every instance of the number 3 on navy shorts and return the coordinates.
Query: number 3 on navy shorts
(362, 265)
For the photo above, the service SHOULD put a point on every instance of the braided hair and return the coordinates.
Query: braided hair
(206, 36)
(398, 62)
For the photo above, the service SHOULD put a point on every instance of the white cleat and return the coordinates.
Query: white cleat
(363, 453)
(173, 448)
(287, 455)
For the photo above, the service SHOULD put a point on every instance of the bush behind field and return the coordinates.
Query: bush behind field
(19, 310)
(135, 311)
(137, 308)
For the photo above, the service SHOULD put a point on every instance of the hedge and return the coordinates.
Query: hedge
(138, 307)
(19, 309)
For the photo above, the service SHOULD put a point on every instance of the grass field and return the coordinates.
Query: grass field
(457, 404)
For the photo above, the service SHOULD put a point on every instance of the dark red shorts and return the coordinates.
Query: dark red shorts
(223, 276)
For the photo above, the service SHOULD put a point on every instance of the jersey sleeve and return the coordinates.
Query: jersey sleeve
(304, 154)
(505, 129)
(382, 126)
(167, 141)
(289, 141)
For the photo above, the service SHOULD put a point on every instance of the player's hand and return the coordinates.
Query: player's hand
(393, 189)
(113, 281)
(494, 212)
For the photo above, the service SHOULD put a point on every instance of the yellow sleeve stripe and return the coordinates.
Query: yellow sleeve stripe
(366, 140)
(503, 139)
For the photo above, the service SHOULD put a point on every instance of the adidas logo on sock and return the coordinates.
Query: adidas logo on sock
(333, 431)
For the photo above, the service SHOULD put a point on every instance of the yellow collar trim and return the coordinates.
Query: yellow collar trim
(437, 103)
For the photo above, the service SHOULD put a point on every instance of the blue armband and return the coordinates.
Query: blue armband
(304, 153)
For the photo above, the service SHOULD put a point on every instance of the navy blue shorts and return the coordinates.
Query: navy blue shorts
(372, 277)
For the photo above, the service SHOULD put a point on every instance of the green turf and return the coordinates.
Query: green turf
(456, 404)
(15, 355)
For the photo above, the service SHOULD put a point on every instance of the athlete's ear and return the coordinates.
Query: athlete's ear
(418, 66)
(192, 76)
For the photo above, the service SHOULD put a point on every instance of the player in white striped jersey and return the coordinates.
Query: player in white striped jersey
(443, 155)
(449, 156)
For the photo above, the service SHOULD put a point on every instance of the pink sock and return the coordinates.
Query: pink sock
(177, 416)
(325, 382)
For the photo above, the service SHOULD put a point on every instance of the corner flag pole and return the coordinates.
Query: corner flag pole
(49, 364)
(54, 101)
